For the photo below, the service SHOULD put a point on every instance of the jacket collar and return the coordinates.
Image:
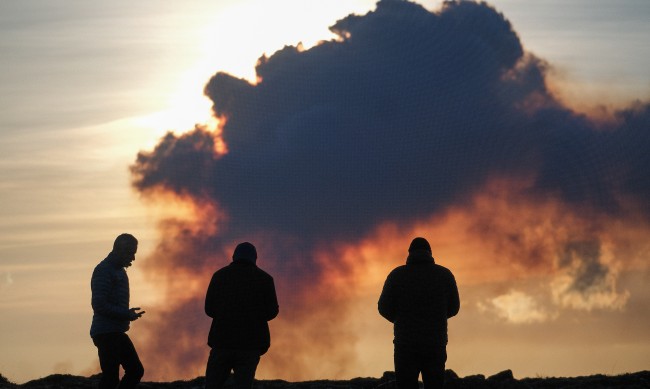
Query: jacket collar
(419, 257)
(113, 260)
(244, 262)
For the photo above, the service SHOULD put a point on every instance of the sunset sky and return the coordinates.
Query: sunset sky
(512, 135)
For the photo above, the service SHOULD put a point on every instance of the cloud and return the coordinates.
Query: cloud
(585, 281)
(405, 115)
(582, 280)
(355, 132)
(517, 307)
(408, 112)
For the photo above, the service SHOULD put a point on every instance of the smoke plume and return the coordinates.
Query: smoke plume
(404, 116)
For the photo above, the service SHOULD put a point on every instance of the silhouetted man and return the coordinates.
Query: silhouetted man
(418, 298)
(112, 316)
(241, 300)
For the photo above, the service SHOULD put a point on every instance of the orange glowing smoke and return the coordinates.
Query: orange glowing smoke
(328, 326)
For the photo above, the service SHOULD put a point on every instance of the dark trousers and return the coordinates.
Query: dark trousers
(243, 363)
(116, 349)
(411, 361)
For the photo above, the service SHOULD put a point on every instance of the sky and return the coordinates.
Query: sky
(512, 135)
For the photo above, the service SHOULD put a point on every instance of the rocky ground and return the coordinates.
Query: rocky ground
(503, 380)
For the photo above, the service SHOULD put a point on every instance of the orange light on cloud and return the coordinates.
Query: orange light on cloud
(505, 243)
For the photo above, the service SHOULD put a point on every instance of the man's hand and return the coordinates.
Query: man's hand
(134, 314)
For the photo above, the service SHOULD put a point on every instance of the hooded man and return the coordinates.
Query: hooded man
(418, 298)
(241, 300)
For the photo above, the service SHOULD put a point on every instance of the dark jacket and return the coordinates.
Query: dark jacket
(418, 298)
(110, 297)
(241, 299)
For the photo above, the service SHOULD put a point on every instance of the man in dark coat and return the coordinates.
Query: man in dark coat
(112, 316)
(241, 300)
(418, 298)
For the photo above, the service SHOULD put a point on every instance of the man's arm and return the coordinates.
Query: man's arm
(271, 307)
(101, 288)
(211, 299)
(386, 304)
(453, 299)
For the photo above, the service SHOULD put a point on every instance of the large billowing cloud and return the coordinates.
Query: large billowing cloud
(406, 114)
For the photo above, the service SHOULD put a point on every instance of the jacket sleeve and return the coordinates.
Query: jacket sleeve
(211, 298)
(271, 307)
(453, 299)
(102, 288)
(386, 304)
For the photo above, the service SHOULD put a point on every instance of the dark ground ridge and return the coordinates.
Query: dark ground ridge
(502, 380)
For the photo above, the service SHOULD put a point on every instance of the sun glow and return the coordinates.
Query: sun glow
(232, 42)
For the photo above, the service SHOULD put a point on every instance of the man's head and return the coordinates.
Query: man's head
(245, 252)
(419, 246)
(124, 249)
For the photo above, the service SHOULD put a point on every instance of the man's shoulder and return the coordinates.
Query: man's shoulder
(260, 273)
(264, 274)
(397, 271)
(431, 267)
(105, 274)
(103, 267)
(222, 272)
(442, 268)
(222, 269)
(444, 271)
(232, 269)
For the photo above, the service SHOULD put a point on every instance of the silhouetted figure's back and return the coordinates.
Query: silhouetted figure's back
(241, 299)
(418, 298)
